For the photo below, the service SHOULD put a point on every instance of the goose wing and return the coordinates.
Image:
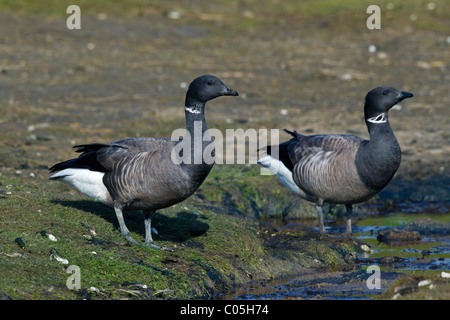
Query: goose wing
(103, 157)
(142, 174)
(325, 166)
(138, 172)
(124, 150)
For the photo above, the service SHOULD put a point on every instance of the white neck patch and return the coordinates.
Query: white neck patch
(381, 118)
(191, 110)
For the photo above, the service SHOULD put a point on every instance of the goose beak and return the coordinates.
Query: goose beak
(228, 92)
(404, 95)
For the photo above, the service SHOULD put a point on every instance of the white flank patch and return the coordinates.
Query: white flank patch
(90, 183)
(59, 259)
(283, 173)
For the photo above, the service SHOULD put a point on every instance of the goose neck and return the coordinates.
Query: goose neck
(198, 145)
(378, 159)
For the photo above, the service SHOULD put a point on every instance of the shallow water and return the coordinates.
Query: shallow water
(431, 253)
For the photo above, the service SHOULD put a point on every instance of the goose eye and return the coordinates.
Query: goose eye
(210, 83)
(385, 92)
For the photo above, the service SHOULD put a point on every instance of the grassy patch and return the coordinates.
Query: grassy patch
(246, 192)
(419, 286)
(251, 13)
(213, 250)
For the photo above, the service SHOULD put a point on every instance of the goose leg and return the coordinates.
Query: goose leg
(321, 224)
(148, 229)
(123, 228)
(349, 208)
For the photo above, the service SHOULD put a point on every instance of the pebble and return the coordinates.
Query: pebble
(52, 237)
(346, 76)
(48, 235)
(424, 283)
(20, 242)
(174, 15)
(55, 255)
(94, 289)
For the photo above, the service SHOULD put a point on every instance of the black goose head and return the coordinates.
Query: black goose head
(381, 99)
(205, 88)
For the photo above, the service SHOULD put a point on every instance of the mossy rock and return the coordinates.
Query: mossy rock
(242, 190)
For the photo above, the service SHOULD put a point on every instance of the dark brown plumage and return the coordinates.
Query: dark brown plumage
(341, 169)
(141, 173)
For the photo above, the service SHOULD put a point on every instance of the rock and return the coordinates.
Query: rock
(406, 288)
(393, 235)
(55, 255)
(4, 296)
(20, 242)
(390, 260)
(48, 235)
(294, 227)
(424, 283)
(428, 226)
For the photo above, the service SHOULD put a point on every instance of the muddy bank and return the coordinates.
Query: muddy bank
(216, 248)
(316, 285)
(406, 269)
(249, 251)
(421, 287)
(214, 251)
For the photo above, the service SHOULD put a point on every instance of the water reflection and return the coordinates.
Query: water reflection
(431, 252)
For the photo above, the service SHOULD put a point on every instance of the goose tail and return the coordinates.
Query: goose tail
(294, 134)
(61, 166)
(87, 159)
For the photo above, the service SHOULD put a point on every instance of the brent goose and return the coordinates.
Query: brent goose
(341, 169)
(140, 173)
